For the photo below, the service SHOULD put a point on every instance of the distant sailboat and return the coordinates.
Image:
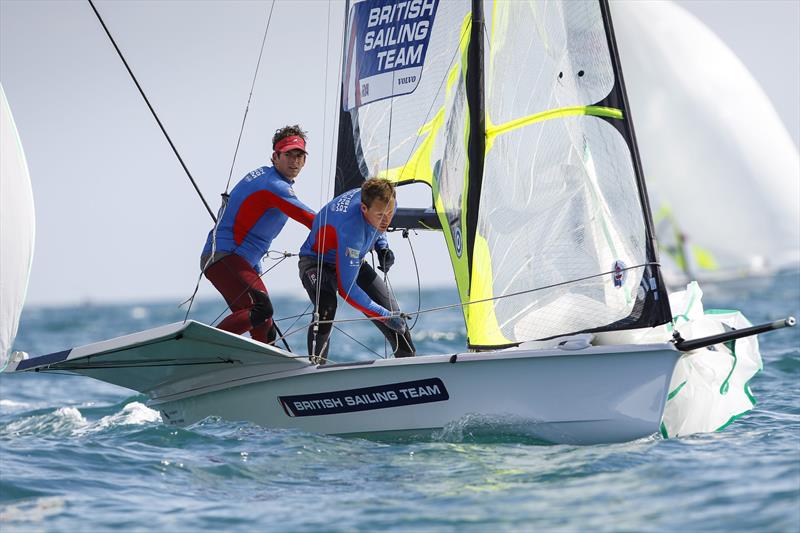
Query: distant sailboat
(17, 228)
(722, 171)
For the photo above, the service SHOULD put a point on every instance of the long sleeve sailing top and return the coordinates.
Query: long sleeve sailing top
(343, 237)
(258, 208)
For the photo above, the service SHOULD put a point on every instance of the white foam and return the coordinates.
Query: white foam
(139, 312)
(134, 413)
(33, 511)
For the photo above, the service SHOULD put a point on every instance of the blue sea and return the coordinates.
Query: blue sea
(80, 455)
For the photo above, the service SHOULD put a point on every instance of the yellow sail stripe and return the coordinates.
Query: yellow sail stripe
(482, 325)
(419, 166)
(493, 131)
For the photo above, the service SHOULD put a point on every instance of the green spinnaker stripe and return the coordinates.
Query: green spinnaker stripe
(692, 298)
(750, 397)
(663, 429)
(676, 391)
(731, 345)
(593, 110)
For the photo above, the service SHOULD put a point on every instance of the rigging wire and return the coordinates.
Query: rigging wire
(510, 295)
(160, 125)
(502, 296)
(250, 96)
(331, 171)
(225, 195)
(361, 343)
(406, 234)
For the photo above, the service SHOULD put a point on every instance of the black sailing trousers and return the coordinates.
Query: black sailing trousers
(311, 274)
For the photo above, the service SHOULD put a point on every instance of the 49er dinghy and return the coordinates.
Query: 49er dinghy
(516, 116)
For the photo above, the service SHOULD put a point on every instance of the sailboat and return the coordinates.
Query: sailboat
(517, 118)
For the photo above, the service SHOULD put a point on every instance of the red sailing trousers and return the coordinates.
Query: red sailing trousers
(245, 294)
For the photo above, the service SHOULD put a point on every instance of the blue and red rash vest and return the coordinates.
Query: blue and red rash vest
(343, 237)
(258, 208)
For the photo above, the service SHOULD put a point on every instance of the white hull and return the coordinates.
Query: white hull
(593, 394)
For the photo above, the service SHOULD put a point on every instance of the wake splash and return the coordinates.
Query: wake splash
(69, 421)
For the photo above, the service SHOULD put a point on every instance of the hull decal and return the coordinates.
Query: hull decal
(365, 399)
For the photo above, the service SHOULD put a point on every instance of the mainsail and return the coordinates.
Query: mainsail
(520, 125)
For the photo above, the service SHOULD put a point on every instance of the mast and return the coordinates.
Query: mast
(665, 314)
(476, 146)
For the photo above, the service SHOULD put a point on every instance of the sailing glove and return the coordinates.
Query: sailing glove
(385, 259)
(396, 323)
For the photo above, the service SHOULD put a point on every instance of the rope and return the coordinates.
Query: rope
(250, 96)
(155, 116)
(331, 172)
(462, 304)
(419, 283)
(510, 295)
(225, 195)
(361, 343)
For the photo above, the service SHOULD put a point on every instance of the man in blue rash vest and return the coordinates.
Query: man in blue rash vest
(332, 260)
(258, 208)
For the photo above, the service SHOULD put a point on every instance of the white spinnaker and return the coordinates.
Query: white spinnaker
(712, 146)
(17, 226)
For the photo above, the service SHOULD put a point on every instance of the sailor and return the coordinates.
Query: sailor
(258, 208)
(332, 260)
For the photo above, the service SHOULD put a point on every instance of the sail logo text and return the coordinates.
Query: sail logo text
(387, 45)
(400, 31)
(365, 399)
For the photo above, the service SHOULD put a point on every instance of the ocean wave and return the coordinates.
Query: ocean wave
(12, 405)
(134, 413)
(62, 421)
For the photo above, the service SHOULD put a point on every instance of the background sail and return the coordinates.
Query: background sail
(562, 200)
(17, 225)
(717, 158)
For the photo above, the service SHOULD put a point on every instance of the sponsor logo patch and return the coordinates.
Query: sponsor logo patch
(619, 273)
(352, 252)
(365, 399)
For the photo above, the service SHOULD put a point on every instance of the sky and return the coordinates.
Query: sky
(117, 218)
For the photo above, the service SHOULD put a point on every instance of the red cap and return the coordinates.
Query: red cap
(295, 142)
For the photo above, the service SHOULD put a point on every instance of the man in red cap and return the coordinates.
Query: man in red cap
(255, 213)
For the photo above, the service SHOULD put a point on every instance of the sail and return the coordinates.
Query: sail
(398, 57)
(564, 240)
(16, 228)
(737, 172)
(416, 130)
(520, 125)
